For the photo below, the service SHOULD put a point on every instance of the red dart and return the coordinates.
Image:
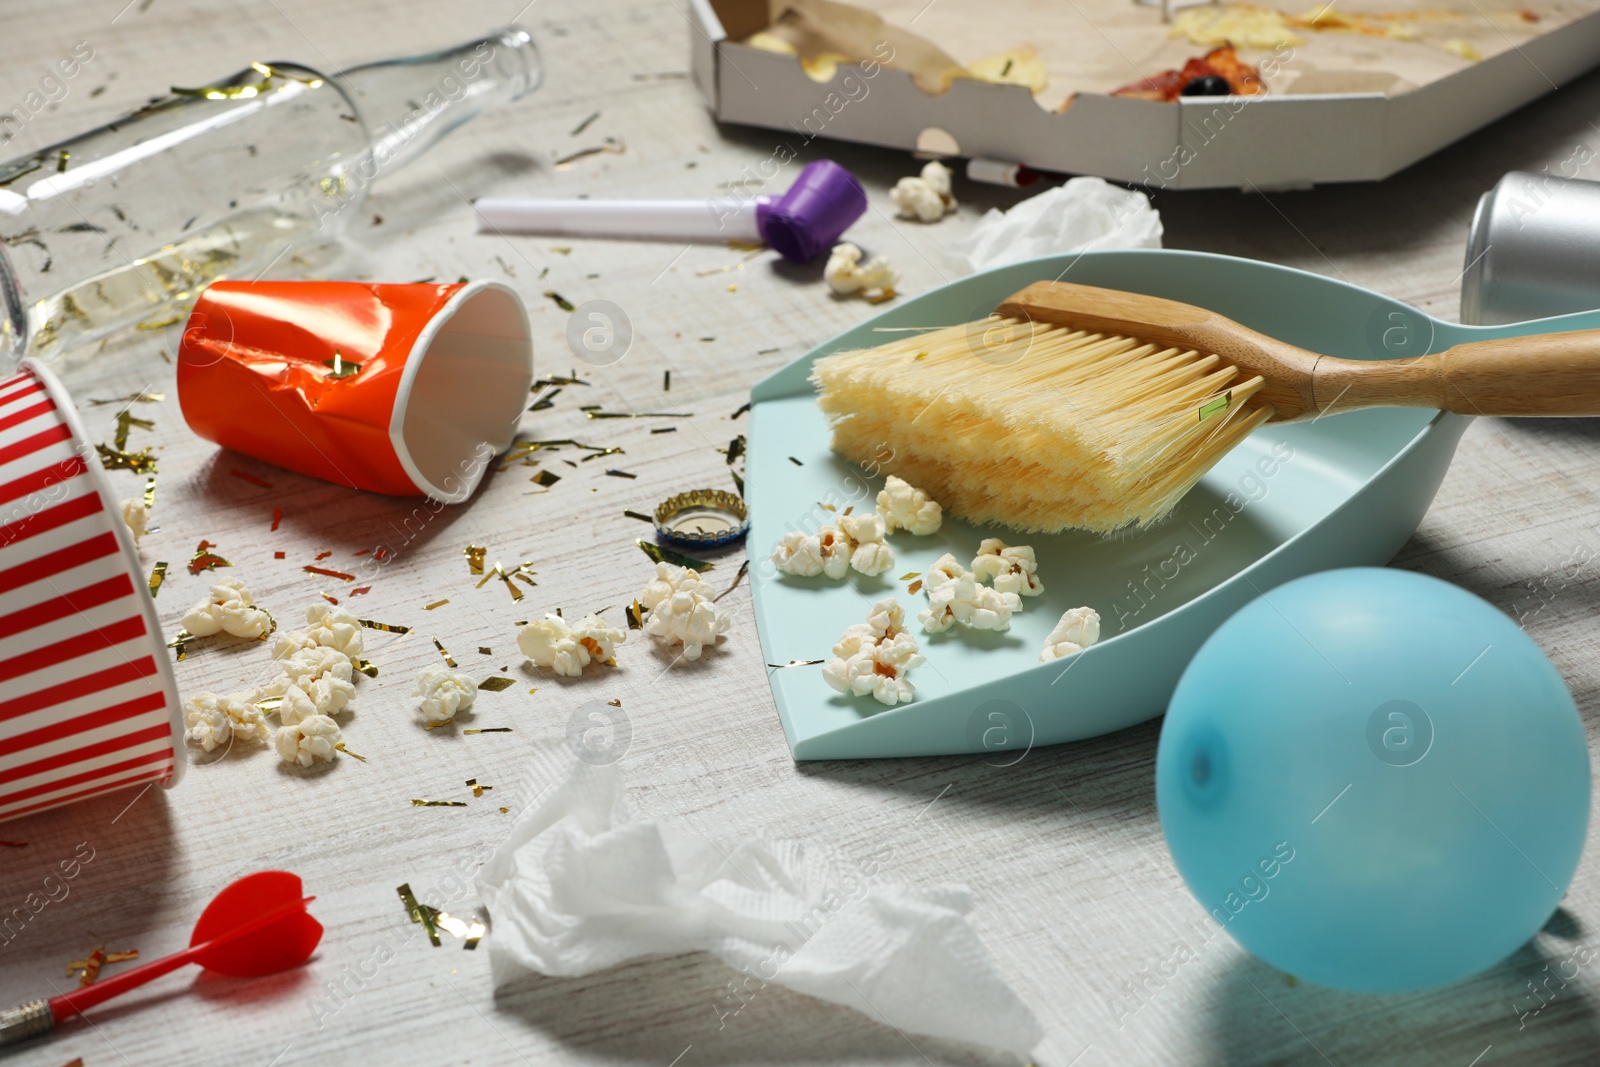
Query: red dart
(256, 926)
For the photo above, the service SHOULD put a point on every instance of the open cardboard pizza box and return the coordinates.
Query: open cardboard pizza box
(1352, 93)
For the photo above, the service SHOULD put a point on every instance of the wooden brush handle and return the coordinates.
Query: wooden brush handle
(1549, 374)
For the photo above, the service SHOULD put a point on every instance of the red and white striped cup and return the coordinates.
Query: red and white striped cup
(88, 703)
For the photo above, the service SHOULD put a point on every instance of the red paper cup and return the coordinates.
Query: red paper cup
(88, 703)
(442, 376)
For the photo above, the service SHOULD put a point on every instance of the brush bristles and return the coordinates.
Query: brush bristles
(1037, 427)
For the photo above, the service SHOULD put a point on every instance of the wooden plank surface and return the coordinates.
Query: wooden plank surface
(1077, 899)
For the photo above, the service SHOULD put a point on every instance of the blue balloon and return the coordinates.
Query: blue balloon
(1374, 780)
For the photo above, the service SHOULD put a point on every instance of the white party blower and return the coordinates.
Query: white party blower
(804, 222)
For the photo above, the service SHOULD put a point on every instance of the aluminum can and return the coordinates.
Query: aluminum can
(1533, 250)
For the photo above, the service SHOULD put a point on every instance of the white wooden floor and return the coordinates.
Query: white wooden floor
(1077, 897)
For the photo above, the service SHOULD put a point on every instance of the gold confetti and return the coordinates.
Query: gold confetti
(415, 911)
(140, 462)
(90, 967)
(205, 560)
(638, 414)
(543, 383)
(447, 660)
(523, 450)
(737, 578)
(734, 450)
(484, 650)
(666, 380)
(251, 478)
(796, 462)
(617, 703)
(611, 145)
(386, 627)
(474, 554)
(415, 803)
(665, 429)
(742, 409)
(560, 301)
(137, 398)
(246, 92)
(522, 572)
(365, 666)
(478, 790)
(466, 931)
(341, 367)
(158, 574)
(436, 604)
(149, 493)
(795, 663)
(640, 516)
(160, 324)
(269, 705)
(329, 574)
(495, 684)
(665, 555)
(621, 474)
(347, 752)
(908, 575)
(546, 478)
(438, 725)
(635, 615)
(491, 729)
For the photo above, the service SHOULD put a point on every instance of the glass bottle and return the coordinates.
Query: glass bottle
(124, 225)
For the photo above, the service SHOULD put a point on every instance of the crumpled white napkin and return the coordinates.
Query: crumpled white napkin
(581, 886)
(1083, 215)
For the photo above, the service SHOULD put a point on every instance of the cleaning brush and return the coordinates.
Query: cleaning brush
(1073, 407)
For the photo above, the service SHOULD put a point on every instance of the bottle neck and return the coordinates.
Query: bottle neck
(407, 104)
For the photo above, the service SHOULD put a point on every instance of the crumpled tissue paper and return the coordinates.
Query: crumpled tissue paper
(1085, 214)
(581, 886)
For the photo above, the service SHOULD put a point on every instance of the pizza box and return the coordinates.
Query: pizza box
(1339, 106)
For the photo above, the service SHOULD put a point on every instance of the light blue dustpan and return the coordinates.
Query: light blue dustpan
(1343, 491)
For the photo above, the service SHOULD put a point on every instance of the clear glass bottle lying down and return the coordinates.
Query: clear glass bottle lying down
(124, 225)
